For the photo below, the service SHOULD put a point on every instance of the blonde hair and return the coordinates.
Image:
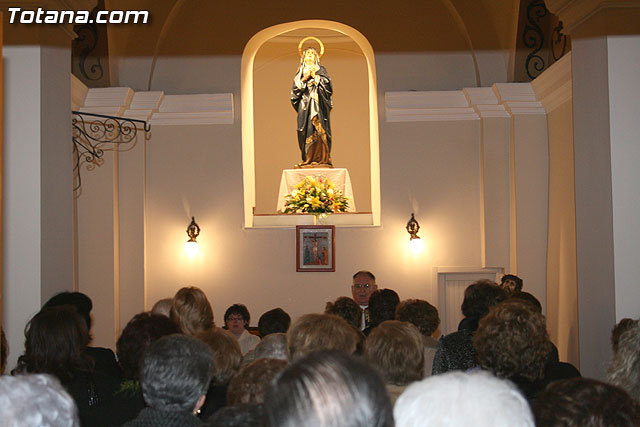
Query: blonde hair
(313, 332)
(191, 311)
(227, 355)
(396, 350)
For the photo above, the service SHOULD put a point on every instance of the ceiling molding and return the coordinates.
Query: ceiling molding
(574, 13)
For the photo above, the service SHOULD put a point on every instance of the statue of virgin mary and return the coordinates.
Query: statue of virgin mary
(311, 97)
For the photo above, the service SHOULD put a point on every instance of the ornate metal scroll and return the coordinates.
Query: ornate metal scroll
(533, 38)
(87, 41)
(90, 51)
(558, 42)
(91, 132)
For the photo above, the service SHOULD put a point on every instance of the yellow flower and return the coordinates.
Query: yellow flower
(315, 202)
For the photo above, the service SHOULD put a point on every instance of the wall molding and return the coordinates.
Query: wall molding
(574, 13)
(554, 86)
(153, 106)
(500, 100)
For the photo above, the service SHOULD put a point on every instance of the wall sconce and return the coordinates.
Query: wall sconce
(416, 243)
(191, 247)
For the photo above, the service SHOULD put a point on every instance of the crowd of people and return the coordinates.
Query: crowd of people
(368, 360)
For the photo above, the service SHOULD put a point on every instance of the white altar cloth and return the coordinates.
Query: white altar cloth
(339, 176)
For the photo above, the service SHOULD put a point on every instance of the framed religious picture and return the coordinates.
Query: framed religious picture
(315, 248)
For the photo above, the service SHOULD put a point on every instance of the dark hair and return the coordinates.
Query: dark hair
(513, 277)
(243, 415)
(622, 326)
(136, 338)
(365, 273)
(420, 313)
(346, 308)
(583, 402)
(513, 340)
(396, 350)
(251, 382)
(176, 371)
(382, 305)
(328, 388)
(80, 301)
(240, 309)
(526, 297)
(274, 321)
(55, 340)
(479, 297)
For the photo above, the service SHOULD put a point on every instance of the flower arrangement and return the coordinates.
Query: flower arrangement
(317, 196)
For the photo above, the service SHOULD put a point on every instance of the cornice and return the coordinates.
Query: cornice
(574, 13)
(516, 108)
(154, 107)
(554, 86)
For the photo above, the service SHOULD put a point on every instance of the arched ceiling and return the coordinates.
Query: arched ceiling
(206, 27)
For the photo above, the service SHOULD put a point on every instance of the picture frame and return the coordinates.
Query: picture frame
(315, 248)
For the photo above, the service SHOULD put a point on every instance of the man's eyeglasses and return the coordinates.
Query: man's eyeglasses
(360, 286)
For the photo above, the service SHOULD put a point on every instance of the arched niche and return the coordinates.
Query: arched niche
(269, 145)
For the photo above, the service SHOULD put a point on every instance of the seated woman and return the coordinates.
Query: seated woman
(141, 331)
(191, 311)
(175, 376)
(105, 360)
(236, 320)
(396, 350)
(55, 343)
(226, 362)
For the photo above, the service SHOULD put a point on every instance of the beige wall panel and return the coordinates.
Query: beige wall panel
(562, 286)
(131, 208)
(495, 136)
(431, 169)
(97, 247)
(531, 192)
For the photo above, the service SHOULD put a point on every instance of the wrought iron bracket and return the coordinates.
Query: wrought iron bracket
(93, 133)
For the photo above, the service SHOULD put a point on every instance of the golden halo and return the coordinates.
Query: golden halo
(311, 38)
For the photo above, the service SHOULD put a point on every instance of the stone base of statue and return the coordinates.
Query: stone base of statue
(339, 176)
(312, 165)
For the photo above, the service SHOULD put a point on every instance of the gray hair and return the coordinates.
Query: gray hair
(461, 399)
(273, 346)
(328, 389)
(36, 400)
(624, 370)
(176, 371)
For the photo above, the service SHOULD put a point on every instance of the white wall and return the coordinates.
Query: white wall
(37, 170)
(624, 104)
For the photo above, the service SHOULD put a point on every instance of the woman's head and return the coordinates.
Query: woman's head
(513, 340)
(227, 355)
(191, 311)
(137, 336)
(313, 332)
(237, 318)
(176, 373)
(55, 339)
(310, 57)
